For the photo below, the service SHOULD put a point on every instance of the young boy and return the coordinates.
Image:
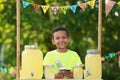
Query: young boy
(61, 57)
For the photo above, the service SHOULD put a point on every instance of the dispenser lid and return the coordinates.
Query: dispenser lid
(31, 46)
(64, 69)
(92, 51)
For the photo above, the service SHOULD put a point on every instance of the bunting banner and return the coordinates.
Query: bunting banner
(64, 9)
(44, 8)
(118, 3)
(36, 6)
(91, 3)
(54, 9)
(73, 8)
(25, 4)
(111, 55)
(108, 6)
(82, 6)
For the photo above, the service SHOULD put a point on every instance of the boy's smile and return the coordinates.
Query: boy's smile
(60, 39)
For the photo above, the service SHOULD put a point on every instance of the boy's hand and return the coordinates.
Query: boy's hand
(68, 74)
(59, 75)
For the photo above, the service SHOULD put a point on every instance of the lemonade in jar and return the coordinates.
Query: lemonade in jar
(93, 65)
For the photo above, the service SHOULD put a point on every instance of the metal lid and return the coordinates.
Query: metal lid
(79, 65)
(49, 65)
(31, 46)
(64, 69)
(92, 51)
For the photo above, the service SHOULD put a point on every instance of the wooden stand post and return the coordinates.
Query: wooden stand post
(18, 40)
(100, 26)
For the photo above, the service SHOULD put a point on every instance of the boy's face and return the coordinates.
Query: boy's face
(60, 39)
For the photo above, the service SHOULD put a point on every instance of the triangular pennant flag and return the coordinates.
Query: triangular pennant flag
(108, 6)
(64, 9)
(118, 3)
(54, 9)
(82, 6)
(91, 3)
(45, 8)
(25, 4)
(36, 6)
(73, 8)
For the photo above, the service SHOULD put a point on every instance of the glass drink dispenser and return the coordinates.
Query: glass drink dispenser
(31, 66)
(93, 65)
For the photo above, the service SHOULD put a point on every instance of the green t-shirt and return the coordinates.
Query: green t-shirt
(68, 59)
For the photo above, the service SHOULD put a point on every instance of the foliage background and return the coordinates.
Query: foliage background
(36, 29)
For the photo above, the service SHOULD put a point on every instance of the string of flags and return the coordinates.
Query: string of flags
(10, 70)
(109, 4)
(111, 55)
(64, 9)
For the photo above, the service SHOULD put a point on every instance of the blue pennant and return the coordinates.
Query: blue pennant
(25, 4)
(110, 55)
(73, 8)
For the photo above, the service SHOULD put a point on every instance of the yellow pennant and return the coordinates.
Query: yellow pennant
(91, 3)
(118, 3)
(45, 8)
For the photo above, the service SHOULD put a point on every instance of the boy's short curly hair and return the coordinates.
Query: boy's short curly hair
(59, 28)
